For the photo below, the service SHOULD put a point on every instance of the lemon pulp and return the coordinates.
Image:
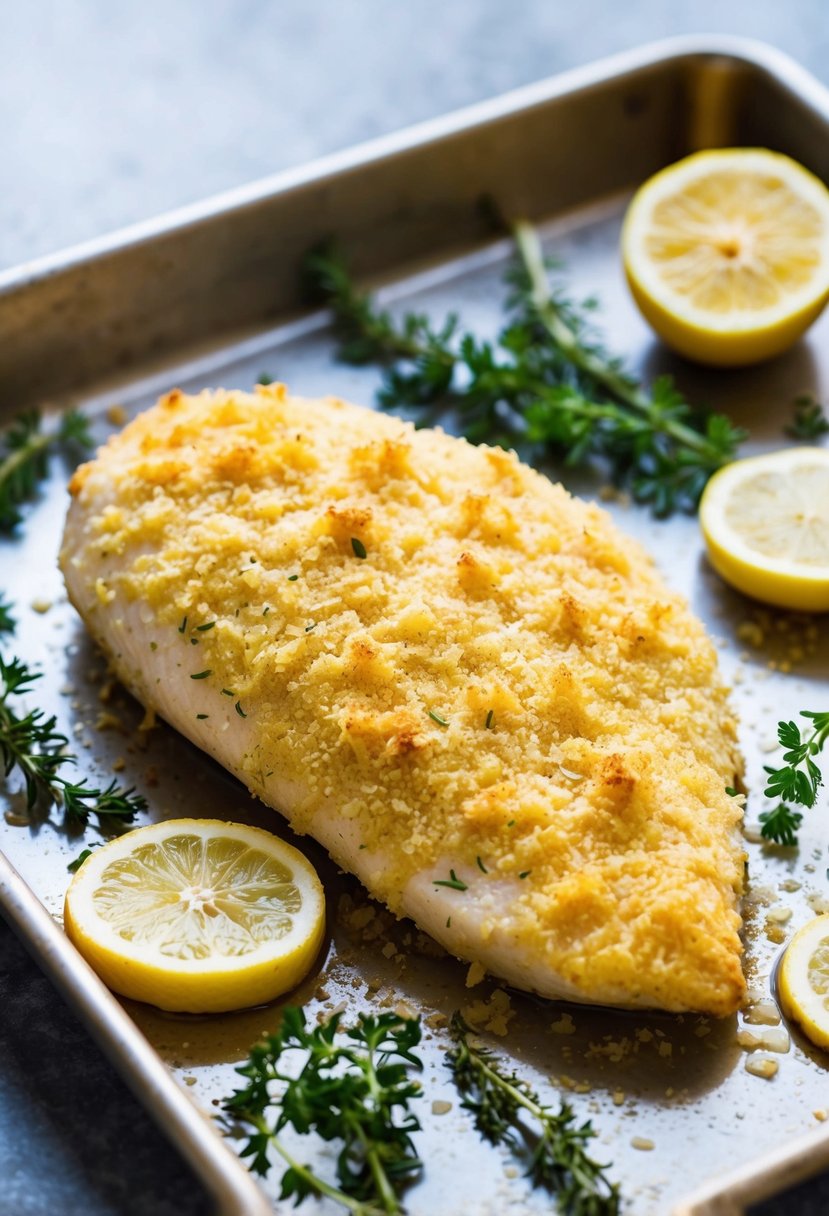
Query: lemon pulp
(804, 980)
(727, 253)
(766, 526)
(197, 915)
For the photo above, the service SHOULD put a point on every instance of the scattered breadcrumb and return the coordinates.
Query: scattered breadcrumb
(494, 1014)
(761, 1066)
(117, 415)
(475, 975)
(762, 1013)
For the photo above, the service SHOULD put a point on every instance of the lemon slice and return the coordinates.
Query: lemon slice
(804, 980)
(727, 254)
(197, 915)
(766, 525)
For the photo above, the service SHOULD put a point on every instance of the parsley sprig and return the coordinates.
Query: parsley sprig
(798, 780)
(353, 1087)
(546, 385)
(556, 1150)
(809, 420)
(8, 624)
(31, 745)
(24, 457)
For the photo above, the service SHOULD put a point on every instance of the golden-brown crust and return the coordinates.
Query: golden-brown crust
(503, 676)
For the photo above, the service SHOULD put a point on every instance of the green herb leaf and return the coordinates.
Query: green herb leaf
(25, 449)
(204, 628)
(798, 780)
(780, 825)
(202, 675)
(809, 421)
(557, 1156)
(75, 865)
(7, 622)
(351, 1088)
(32, 745)
(452, 881)
(239, 710)
(437, 718)
(358, 547)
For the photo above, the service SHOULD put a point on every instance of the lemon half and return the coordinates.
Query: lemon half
(727, 254)
(766, 526)
(804, 980)
(197, 915)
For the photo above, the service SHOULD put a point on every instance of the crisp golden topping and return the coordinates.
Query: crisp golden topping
(502, 676)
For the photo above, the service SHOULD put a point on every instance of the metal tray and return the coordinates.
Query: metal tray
(209, 296)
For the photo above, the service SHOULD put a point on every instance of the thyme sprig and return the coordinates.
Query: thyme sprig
(24, 457)
(31, 745)
(355, 1090)
(500, 1102)
(798, 780)
(546, 385)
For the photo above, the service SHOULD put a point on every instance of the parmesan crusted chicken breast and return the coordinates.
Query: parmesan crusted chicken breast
(473, 690)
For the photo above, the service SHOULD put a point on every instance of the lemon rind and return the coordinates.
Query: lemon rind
(801, 305)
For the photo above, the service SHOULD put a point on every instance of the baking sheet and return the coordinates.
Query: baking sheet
(677, 1084)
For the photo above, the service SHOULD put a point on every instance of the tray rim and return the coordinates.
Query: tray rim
(224, 1175)
(752, 52)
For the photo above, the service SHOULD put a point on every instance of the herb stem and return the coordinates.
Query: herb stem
(586, 360)
(24, 457)
(29, 452)
(315, 1183)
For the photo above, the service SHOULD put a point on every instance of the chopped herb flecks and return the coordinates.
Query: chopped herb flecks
(292, 578)
(358, 547)
(227, 692)
(201, 717)
(437, 718)
(202, 675)
(239, 710)
(481, 866)
(525, 874)
(183, 626)
(452, 881)
(490, 718)
(204, 628)
(75, 865)
(311, 628)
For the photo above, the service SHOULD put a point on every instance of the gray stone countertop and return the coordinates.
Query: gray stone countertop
(111, 112)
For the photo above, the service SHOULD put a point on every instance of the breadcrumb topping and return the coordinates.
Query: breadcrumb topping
(464, 660)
